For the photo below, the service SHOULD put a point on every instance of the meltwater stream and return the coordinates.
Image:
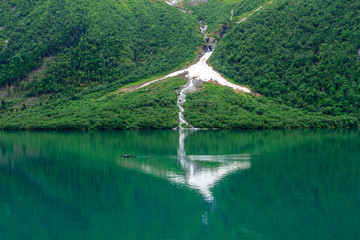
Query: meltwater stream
(189, 86)
(199, 71)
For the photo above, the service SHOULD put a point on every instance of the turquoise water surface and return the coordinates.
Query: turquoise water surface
(272, 184)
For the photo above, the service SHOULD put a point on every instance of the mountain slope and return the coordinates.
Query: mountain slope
(66, 59)
(153, 107)
(221, 107)
(301, 53)
(93, 41)
(218, 12)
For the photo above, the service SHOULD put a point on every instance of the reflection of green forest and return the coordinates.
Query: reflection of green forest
(301, 183)
(255, 142)
(296, 198)
(89, 190)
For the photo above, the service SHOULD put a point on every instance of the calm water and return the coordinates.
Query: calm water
(299, 184)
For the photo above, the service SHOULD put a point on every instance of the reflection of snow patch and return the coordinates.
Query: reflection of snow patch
(1, 28)
(198, 173)
(204, 218)
(205, 179)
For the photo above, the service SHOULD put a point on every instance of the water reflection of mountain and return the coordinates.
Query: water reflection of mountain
(199, 172)
(304, 182)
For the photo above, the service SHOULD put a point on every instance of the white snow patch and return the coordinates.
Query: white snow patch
(173, 3)
(202, 71)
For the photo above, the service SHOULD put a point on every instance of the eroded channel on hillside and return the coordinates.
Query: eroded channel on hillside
(198, 73)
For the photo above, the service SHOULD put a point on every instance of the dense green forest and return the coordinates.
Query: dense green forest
(216, 13)
(153, 107)
(93, 41)
(221, 107)
(61, 63)
(302, 53)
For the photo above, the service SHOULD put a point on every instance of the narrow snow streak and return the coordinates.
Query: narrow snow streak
(199, 71)
(202, 71)
(243, 19)
(173, 3)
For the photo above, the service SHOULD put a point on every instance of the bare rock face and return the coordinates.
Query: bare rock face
(359, 51)
(198, 83)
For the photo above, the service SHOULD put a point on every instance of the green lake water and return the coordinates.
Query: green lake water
(273, 184)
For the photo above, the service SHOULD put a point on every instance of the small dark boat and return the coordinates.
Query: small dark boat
(128, 156)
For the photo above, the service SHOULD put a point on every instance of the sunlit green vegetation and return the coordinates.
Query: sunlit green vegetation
(93, 42)
(222, 107)
(302, 53)
(218, 12)
(67, 57)
(151, 107)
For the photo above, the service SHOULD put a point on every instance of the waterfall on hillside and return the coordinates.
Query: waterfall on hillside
(181, 100)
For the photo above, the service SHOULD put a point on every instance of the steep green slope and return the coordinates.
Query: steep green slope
(302, 53)
(218, 12)
(152, 107)
(93, 41)
(221, 107)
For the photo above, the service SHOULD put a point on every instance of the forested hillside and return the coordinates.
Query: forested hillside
(302, 53)
(153, 107)
(221, 107)
(218, 12)
(92, 41)
(62, 63)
